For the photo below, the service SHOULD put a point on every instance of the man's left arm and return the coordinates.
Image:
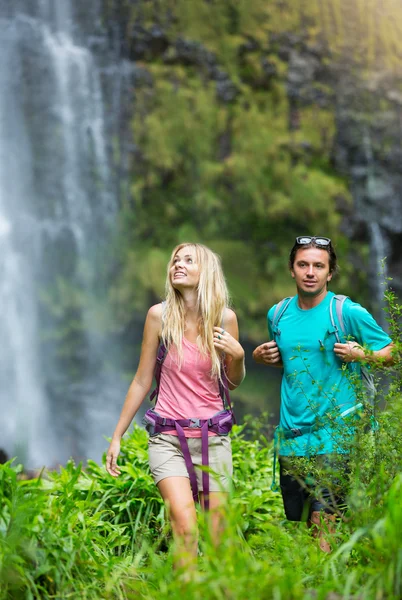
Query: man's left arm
(354, 352)
(370, 344)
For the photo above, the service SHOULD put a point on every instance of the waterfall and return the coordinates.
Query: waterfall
(378, 245)
(57, 209)
(379, 270)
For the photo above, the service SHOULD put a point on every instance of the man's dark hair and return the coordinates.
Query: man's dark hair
(333, 261)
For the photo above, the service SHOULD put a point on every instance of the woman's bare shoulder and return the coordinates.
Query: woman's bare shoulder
(153, 322)
(229, 316)
(155, 313)
(156, 310)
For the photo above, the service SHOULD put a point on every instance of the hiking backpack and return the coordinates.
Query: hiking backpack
(221, 423)
(338, 300)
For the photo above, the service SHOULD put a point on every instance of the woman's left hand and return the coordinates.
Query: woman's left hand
(224, 342)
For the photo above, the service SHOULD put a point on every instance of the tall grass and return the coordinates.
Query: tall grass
(78, 533)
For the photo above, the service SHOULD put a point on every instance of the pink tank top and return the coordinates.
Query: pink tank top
(190, 390)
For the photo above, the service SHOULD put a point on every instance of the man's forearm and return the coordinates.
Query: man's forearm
(385, 356)
(353, 352)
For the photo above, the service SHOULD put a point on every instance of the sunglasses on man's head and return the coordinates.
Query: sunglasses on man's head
(308, 239)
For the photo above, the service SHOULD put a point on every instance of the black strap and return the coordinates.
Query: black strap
(162, 351)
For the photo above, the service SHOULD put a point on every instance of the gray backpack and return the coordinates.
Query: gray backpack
(339, 300)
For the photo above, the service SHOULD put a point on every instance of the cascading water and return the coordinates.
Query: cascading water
(379, 252)
(378, 246)
(57, 206)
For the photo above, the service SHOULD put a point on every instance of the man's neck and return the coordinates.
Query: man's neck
(306, 302)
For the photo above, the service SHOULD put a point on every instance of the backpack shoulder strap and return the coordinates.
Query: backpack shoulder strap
(339, 300)
(366, 376)
(278, 314)
(162, 351)
(160, 357)
(223, 380)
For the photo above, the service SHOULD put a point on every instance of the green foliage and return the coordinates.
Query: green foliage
(76, 532)
(230, 175)
(237, 174)
(253, 502)
(80, 533)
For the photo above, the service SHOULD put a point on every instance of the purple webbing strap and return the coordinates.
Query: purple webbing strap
(219, 423)
(205, 463)
(205, 426)
(187, 460)
(224, 388)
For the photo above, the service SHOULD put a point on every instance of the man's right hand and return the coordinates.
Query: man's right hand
(268, 354)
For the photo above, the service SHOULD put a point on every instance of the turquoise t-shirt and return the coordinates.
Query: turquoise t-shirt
(315, 389)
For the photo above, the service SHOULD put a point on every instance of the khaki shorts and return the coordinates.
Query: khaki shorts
(166, 459)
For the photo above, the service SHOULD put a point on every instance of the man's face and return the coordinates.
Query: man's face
(311, 271)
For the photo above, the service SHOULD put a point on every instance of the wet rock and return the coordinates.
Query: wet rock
(147, 44)
(269, 68)
(251, 45)
(189, 53)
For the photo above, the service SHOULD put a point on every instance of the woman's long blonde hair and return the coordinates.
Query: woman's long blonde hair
(213, 298)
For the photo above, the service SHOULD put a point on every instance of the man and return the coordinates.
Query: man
(316, 391)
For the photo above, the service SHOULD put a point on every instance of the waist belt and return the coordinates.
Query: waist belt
(220, 423)
(287, 434)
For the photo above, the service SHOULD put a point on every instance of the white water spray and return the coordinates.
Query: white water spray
(55, 181)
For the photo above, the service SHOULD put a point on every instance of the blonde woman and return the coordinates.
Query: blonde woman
(199, 335)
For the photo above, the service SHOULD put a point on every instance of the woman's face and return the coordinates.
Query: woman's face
(185, 272)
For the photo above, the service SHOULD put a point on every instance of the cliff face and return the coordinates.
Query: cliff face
(246, 135)
(221, 155)
(366, 146)
(366, 149)
(287, 112)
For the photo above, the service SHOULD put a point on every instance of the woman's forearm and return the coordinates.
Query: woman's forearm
(236, 372)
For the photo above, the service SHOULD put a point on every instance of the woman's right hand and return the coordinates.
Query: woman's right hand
(111, 458)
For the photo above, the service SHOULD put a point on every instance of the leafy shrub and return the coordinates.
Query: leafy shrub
(79, 533)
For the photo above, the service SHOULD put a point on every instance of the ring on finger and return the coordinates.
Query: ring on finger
(219, 337)
(223, 331)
